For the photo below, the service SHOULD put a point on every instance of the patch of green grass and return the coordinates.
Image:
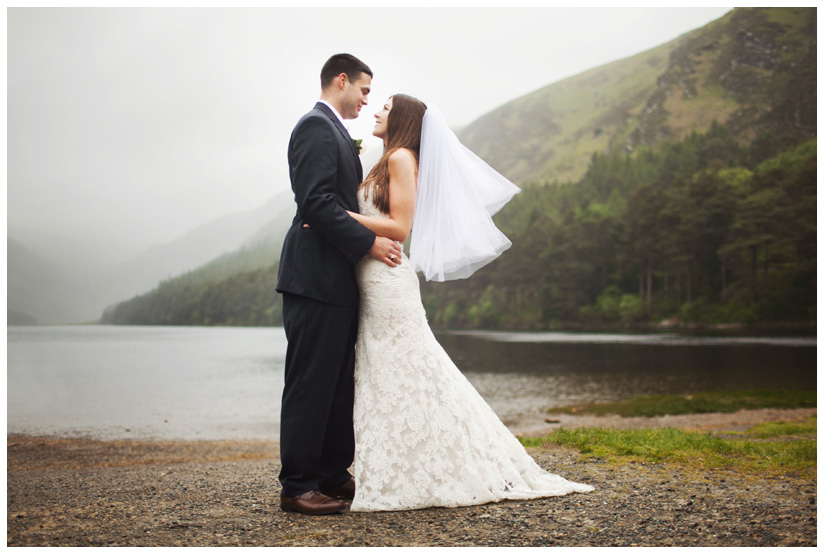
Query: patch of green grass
(716, 401)
(687, 448)
(778, 429)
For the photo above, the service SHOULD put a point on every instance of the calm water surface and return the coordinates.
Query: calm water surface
(160, 382)
(215, 383)
(523, 373)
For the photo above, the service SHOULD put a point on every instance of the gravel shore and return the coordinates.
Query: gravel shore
(82, 492)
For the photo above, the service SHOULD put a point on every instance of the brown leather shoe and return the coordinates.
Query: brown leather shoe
(312, 503)
(345, 491)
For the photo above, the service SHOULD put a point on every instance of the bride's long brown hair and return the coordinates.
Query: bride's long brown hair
(403, 131)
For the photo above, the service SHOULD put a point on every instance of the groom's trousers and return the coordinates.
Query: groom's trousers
(317, 438)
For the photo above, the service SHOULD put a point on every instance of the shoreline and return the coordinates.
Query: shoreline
(533, 425)
(49, 451)
(738, 421)
(41, 453)
(769, 329)
(88, 492)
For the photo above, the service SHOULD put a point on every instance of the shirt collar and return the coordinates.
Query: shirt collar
(334, 111)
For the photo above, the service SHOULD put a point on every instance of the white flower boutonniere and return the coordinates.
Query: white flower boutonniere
(357, 143)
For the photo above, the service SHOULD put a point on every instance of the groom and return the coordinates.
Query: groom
(320, 294)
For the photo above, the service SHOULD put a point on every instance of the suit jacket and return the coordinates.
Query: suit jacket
(325, 171)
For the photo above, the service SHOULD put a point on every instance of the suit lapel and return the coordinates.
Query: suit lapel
(343, 130)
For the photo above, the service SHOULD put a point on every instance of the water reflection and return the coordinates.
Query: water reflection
(524, 373)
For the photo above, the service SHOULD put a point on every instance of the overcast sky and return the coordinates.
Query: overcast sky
(136, 125)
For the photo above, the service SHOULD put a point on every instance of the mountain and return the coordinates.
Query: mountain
(753, 70)
(686, 193)
(235, 289)
(197, 247)
(51, 290)
(39, 291)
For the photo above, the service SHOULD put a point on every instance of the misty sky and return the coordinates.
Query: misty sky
(132, 126)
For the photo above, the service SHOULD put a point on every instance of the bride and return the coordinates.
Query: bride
(423, 436)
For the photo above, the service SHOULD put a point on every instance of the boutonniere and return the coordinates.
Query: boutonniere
(357, 143)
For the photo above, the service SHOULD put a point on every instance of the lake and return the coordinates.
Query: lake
(113, 382)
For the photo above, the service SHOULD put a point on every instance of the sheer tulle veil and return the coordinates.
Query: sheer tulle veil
(453, 233)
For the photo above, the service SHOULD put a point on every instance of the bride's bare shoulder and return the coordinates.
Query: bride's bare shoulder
(403, 159)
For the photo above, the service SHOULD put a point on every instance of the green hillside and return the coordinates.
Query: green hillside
(685, 192)
(234, 289)
(753, 70)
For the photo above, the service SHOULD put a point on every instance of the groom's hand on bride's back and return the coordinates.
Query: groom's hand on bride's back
(387, 251)
(383, 249)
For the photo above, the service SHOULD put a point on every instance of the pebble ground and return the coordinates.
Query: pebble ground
(82, 492)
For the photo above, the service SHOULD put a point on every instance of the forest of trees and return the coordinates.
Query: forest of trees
(699, 231)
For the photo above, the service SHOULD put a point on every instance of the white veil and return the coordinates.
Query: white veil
(453, 233)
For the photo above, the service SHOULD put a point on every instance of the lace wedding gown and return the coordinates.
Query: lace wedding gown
(423, 436)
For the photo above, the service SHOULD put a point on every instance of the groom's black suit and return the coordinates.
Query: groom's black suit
(320, 297)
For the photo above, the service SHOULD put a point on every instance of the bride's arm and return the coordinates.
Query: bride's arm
(402, 170)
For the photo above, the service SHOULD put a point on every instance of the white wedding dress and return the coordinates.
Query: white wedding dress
(423, 436)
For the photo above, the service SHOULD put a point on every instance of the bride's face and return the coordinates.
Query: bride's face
(380, 129)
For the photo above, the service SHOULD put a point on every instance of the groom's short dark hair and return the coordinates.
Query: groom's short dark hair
(343, 63)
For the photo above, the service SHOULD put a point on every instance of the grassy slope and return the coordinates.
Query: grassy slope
(553, 132)
(663, 93)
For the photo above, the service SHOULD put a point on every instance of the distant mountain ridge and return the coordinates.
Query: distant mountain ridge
(201, 245)
(43, 291)
(750, 70)
(38, 291)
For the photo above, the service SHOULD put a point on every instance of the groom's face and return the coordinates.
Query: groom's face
(354, 96)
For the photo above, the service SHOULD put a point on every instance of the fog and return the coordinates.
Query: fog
(129, 127)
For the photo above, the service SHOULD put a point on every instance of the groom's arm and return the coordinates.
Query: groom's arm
(313, 160)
